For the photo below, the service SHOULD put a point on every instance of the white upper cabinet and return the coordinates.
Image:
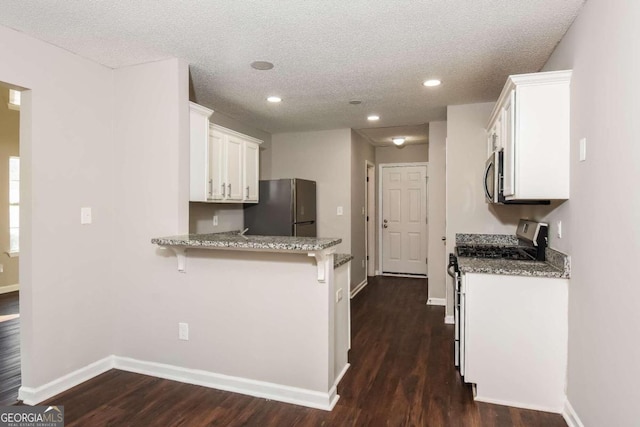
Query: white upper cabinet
(200, 188)
(531, 119)
(224, 163)
(251, 160)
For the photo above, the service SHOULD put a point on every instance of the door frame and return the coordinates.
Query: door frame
(379, 222)
(370, 211)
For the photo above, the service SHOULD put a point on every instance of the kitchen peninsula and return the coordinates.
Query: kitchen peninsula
(279, 313)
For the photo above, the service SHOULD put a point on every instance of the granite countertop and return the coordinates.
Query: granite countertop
(341, 259)
(557, 264)
(249, 243)
(509, 267)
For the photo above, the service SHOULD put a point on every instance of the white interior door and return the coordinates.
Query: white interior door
(404, 220)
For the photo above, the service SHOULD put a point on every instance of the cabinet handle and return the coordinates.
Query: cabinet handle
(211, 187)
(229, 185)
(247, 191)
(224, 193)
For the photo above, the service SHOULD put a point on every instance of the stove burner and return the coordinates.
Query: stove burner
(518, 253)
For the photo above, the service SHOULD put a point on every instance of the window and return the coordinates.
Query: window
(14, 99)
(14, 205)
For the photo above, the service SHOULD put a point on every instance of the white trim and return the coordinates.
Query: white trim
(570, 416)
(341, 374)
(555, 410)
(370, 253)
(9, 288)
(410, 276)
(33, 396)
(13, 254)
(437, 301)
(358, 288)
(449, 320)
(380, 219)
(262, 389)
(377, 272)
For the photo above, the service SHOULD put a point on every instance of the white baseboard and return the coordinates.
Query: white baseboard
(437, 301)
(408, 276)
(570, 416)
(341, 374)
(266, 390)
(449, 320)
(358, 288)
(555, 410)
(9, 288)
(33, 396)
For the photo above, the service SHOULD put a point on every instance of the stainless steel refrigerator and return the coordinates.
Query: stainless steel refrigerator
(287, 207)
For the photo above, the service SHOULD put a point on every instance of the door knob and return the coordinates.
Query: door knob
(385, 226)
(444, 238)
(385, 221)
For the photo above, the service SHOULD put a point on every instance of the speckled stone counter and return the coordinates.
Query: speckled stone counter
(556, 265)
(509, 267)
(341, 259)
(248, 243)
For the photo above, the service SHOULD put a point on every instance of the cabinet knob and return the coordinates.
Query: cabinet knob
(247, 191)
(224, 193)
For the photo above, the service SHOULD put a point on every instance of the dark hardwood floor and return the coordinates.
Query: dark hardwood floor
(401, 374)
(9, 348)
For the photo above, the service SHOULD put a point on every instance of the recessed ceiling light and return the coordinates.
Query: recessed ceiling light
(398, 140)
(261, 65)
(274, 99)
(432, 83)
(373, 118)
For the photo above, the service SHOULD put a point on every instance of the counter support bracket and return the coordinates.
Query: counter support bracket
(323, 260)
(181, 255)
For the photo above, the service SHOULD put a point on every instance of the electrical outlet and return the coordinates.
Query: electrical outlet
(340, 211)
(583, 149)
(363, 210)
(215, 220)
(183, 331)
(339, 295)
(362, 263)
(1, 268)
(559, 229)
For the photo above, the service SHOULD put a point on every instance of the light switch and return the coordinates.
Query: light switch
(85, 216)
(215, 220)
(583, 149)
(1, 268)
(559, 229)
(340, 211)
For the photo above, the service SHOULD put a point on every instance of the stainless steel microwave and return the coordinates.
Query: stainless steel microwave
(493, 183)
(492, 178)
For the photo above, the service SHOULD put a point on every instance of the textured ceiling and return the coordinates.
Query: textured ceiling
(326, 53)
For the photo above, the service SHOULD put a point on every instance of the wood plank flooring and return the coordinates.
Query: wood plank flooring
(9, 348)
(401, 374)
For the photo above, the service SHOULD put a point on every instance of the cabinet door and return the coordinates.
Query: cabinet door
(199, 152)
(216, 189)
(233, 149)
(251, 171)
(509, 146)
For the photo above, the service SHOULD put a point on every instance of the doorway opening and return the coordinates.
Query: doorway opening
(10, 366)
(404, 232)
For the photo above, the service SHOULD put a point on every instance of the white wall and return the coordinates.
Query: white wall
(68, 161)
(600, 221)
(437, 208)
(152, 200)
(410, 153)
(324, 157)
(361, 151)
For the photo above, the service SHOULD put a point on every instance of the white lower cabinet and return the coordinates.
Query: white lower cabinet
(515, 339)
(224, 164)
